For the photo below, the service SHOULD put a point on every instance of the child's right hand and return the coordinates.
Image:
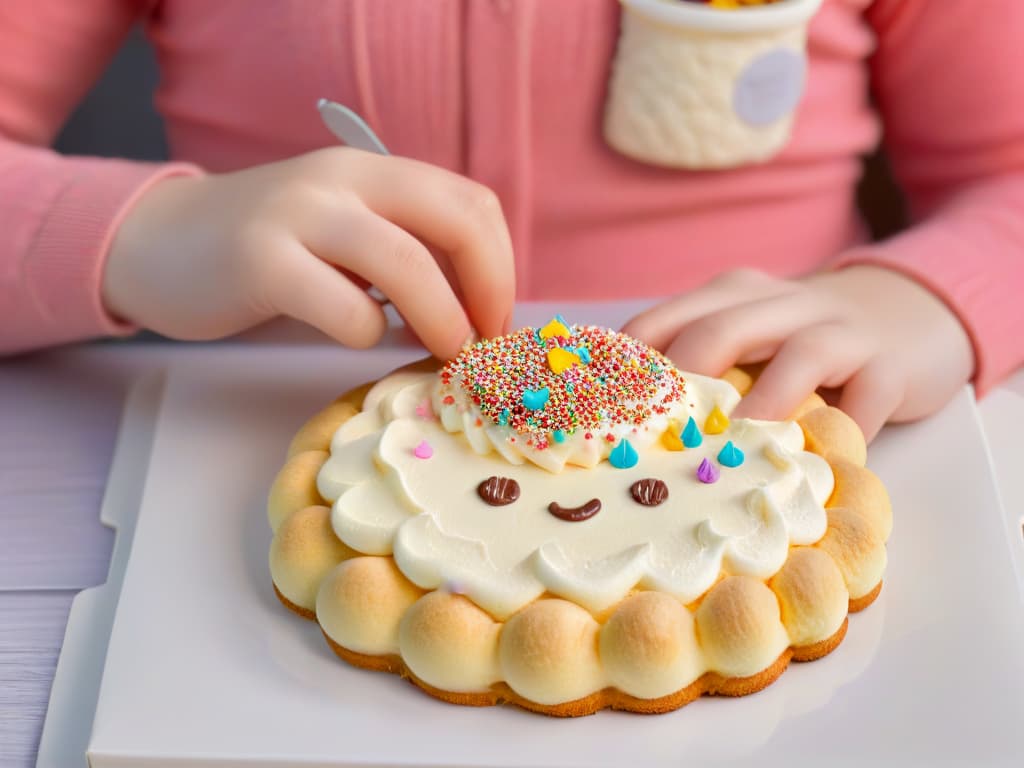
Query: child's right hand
(205, 257)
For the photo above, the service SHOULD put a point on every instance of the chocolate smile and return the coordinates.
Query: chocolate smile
(575, 514)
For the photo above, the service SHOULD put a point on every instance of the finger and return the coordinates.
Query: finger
(872, 395)
(816, 354)
(460, 217)
(712, 343)
(399, 265)
(304, 287)
(759, 354)
(659, 325)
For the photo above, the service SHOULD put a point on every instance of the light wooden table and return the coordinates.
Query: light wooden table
(59, 414)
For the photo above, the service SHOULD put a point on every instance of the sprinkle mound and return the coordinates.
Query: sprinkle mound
(609, 379)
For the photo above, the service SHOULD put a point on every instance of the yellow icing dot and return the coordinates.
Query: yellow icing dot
(560, 360)
(555, 328)
(716, 422)
(670, 438)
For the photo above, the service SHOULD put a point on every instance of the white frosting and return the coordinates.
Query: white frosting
(426, 512)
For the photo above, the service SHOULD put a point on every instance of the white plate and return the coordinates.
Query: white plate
(204, 667)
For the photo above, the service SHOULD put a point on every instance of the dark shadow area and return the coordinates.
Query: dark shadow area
(117, 118)
(879, 198)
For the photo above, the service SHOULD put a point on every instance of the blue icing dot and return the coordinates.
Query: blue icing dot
(503, 418)
(730, 455)
(558, 436)
(623, 455)
(535, 399)
(691, 435)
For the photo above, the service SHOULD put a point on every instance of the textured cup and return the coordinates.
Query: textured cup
(704, 88)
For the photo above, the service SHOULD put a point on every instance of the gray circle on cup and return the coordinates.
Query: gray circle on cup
(770, 87)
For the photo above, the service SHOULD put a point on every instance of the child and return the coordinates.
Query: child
(260, 220)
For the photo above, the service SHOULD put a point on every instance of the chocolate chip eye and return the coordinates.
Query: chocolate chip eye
(650, 492)
(498, 491)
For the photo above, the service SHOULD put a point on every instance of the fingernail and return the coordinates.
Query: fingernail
(472, 339)
(506, 327)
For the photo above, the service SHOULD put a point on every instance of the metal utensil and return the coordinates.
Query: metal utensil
(352, 131)
(349, 128)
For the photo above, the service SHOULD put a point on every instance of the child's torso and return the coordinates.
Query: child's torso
(511, 93)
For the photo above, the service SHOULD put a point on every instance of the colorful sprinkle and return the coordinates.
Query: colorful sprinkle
(423, 450)
(691, 435)
(624, 384)
(670, 438)
(716, 423)
(623, 455)
(707, 472)
(561, 360)
(535, 399)
(730, 455)
(423, 410)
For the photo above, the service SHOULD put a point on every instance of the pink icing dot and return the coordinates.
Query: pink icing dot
(423, 450)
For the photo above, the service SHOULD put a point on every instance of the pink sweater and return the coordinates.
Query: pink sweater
(510, 92)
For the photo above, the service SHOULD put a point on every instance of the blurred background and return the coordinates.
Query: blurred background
(117, 119)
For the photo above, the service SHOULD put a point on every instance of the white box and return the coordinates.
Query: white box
(205, 668)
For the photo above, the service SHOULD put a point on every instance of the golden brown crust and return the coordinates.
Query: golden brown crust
(731, 629)
(391, 662)
(710, 684)
(863, 602)
(822, 648)
(296, 609)
(718, 685)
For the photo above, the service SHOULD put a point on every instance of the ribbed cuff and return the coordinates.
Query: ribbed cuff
(64, 267)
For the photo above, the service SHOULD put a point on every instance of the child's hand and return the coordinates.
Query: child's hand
(201, 258)
(896, 350)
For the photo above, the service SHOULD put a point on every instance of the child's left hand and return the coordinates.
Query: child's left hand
(896, 350)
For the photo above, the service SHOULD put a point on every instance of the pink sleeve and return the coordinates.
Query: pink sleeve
(949, 81)
(57, 214)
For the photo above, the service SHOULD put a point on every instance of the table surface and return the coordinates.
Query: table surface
(59, 414)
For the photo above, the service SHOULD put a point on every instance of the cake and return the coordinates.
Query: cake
(561, 519)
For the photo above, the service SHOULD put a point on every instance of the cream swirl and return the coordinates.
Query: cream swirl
(427, 514)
